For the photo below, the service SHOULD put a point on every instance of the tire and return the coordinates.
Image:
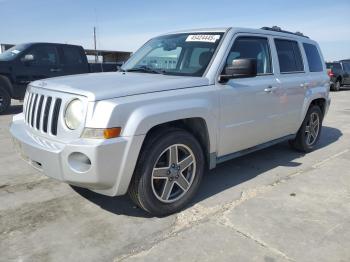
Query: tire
(5, 100)
(306, 140)
(155, 175)
(336, 86)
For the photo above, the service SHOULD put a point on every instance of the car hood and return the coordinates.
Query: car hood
(100, 86)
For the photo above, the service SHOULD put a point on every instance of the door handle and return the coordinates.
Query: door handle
(304, 85)
(270, 89)
(55, 70)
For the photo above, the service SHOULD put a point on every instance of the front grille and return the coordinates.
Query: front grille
(42, 112)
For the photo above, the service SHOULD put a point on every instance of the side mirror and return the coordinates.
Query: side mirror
(28, 58)
(240, 68)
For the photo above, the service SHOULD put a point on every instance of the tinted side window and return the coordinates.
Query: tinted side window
(252, 47)
(44, 55)
(313, 58)
(72, 55)
(346, 66)
(289, 56)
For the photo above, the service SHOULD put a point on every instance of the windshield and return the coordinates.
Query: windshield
(176, 54)
(13, 52)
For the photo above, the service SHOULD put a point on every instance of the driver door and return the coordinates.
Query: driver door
(45, 64)
(251, 111)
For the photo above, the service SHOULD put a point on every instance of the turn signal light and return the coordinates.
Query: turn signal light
(101, 133)
(112, 132)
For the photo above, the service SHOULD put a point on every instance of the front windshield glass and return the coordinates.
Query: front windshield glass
(175, 54)
(13, 52)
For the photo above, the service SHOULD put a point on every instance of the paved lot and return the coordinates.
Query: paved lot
(273, 205)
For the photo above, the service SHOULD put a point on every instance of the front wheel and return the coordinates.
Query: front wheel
(310, 131)
(5, 100)
(168, 172)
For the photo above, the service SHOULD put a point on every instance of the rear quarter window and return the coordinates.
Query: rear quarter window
(289, 56)
(313, 58)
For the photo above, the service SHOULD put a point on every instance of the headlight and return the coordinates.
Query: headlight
(74, 114)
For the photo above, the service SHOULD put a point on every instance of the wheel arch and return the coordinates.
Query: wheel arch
(196, 126)
(6, 84)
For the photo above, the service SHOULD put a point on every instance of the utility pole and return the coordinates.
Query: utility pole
(96, 55)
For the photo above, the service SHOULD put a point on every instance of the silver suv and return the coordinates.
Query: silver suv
(184, 102)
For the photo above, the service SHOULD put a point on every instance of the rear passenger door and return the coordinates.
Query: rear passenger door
(293, 81)
(74, 60)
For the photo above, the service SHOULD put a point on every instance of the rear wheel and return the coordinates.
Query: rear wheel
(310, 131)
(5, 100)
(168, 172)
(337, 86)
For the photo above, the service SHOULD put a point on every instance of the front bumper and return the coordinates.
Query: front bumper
(108, 171)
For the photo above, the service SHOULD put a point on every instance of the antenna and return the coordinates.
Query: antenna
(95, 45)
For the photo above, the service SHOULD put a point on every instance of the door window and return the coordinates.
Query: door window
(346, 66)
(313, 58)
(253, 48)
(72, 55)
(289, 56)
(44, 55)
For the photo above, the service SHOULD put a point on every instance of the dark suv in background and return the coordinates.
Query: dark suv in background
(339, 72)
(25, 63)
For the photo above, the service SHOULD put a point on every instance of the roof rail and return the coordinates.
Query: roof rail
(279, 29)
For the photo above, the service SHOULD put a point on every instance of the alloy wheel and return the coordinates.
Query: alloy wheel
(173, 173)
(312, 129)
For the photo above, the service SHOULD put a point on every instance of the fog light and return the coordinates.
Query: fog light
(79, 162)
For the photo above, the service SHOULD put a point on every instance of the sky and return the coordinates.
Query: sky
(126, 25)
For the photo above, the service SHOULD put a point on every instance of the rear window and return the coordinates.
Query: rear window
(313, 58)
(289, 56)
(333, 66)
(72, 55)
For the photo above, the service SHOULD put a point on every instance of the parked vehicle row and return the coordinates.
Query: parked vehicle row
(151, 130)
(339, 73)
(25, 63)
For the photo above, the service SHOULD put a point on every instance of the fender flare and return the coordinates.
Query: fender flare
(143, 119)
(6, 84)
(308, 101)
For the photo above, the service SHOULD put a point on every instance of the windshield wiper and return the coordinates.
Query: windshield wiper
(145, 69)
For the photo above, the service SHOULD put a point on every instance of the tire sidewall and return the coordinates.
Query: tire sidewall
(313, 109)
(337, 86)
(146, 196)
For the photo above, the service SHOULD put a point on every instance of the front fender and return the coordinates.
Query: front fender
(144, 118)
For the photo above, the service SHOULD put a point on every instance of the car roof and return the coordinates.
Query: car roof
(48, 43)
(245, 30)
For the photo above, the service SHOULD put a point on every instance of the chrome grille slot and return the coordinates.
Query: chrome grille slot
(55, 114)
(46, 113)
(39, 112)
(32, 111)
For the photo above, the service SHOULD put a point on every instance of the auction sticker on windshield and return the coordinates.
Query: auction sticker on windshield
(203, 38)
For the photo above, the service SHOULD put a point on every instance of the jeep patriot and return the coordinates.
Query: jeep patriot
(183, 103)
